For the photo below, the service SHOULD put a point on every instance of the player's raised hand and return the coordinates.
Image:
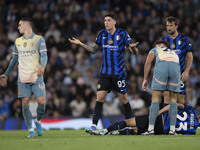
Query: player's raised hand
(40, 71)
(144, 85)
(74, 40)
(133, 48)
(3, 80)
(133, 44)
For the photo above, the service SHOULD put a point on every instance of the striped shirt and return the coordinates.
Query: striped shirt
(182, 45)
(113, 51)
(186, 122)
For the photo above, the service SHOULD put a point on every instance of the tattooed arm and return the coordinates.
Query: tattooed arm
(90, 49)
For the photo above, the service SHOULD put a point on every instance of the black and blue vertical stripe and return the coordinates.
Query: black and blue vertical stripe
(181, 43)
(113, 51)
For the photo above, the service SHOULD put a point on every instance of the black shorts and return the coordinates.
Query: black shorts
(112, 82)
(142, 123)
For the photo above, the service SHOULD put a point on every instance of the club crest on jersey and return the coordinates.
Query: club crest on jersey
(179, 42)
(32, 44)
(25, 44)
(173, 45)
(117, 37)
(19, 92)
(110, 41)
(98, 86)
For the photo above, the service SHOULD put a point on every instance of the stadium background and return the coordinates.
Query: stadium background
(72, 73)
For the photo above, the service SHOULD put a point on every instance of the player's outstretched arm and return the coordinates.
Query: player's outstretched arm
(132, 47)
(93, 49)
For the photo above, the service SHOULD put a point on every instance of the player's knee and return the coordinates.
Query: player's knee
(41, 101)
(25, 101)
(123, 98)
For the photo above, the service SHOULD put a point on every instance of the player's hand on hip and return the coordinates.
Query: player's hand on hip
(184, 76)
(144, 85)
(74, 40)
(40, 71)
(3, 80)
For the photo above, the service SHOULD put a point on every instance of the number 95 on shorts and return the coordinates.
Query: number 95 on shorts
(112, 82)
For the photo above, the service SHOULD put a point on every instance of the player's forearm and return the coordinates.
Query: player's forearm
(12, 64)
(44, 58)
(147, 68)
(189, 60)
(134, 50)
(90, 49)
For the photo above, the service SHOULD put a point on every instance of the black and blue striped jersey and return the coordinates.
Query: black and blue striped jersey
(113, 51)
(182, 45)
(186, 122)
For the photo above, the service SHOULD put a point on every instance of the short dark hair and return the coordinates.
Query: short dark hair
(161, 42)
(172, 19)
(29, 20)
(113, 16)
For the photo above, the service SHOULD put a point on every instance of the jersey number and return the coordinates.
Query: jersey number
(181, 125)
(121, 83)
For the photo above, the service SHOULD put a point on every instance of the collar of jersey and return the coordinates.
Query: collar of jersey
(30, 37)
(113, 33)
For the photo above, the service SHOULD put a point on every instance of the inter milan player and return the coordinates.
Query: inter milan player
(187, 123)
(113, 75)
(184, 49)
(31, 53)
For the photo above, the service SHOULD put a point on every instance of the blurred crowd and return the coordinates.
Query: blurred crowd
(71, 73)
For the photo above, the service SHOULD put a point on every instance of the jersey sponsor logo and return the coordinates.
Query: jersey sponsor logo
(25, 44)
(104, 37)
(179, 42)
(32, 44)
(117, 37)
(112, 48)
(27, 53)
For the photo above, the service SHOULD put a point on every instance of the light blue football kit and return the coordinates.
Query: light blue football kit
(30, 53)
(166, 74)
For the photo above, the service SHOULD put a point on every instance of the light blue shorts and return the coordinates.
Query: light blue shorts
(37, 88)
(166, 77)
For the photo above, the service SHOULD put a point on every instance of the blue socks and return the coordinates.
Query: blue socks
(97, 112)
(27, 116)
(173, 113)
(127, 110)
(40, 112)
(154, 109)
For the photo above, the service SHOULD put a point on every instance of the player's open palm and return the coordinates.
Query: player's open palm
(144, 85)
(3, 80)
(133, 44)
(74, 40)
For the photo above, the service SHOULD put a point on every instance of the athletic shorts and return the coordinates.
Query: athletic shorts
(37, 88)
(142, 123)
(166, 77)
(108, 83)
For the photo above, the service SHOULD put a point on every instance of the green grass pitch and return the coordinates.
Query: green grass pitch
(79, 140)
